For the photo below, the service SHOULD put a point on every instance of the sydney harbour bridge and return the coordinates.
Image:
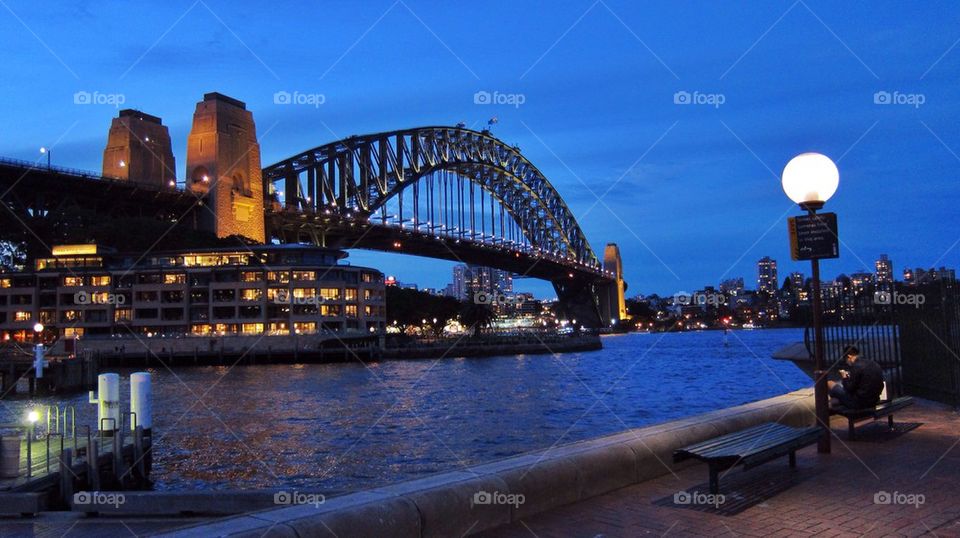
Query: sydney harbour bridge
(442, 192)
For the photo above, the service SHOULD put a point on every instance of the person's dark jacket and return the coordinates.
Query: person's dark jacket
(865, 382)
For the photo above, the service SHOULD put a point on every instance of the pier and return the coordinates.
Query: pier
(61, 373)
(50, 471)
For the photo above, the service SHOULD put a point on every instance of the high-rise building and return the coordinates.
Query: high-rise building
(732, 287)
(860, 281)
(470, 279)
(796, 280)
(884, 274)
(767, 275)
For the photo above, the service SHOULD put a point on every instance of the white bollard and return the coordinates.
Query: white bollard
(141, 401)
(108, 402)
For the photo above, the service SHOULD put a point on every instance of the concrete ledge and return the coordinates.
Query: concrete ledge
(486, 496)
(21, 503)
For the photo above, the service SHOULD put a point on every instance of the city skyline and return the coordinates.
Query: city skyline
(646, 92)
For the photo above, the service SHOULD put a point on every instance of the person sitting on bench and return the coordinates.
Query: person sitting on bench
(862, 382)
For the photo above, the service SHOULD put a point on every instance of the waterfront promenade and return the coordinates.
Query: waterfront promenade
(828, 495)
(842, 494)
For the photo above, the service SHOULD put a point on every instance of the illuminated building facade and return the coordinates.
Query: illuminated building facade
(90, 292)
(884, 274)
(767, 275)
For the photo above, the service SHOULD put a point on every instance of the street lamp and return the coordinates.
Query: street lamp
(45, 150)
(810, 179)
(37, 331)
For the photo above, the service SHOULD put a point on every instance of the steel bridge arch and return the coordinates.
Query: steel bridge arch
(360, 174)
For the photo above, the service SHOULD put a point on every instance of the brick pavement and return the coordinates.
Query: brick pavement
(842, 494)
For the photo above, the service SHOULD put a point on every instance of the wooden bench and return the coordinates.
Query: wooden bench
(750, 448)
(883, 409)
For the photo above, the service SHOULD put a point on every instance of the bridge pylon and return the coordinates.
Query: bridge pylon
(138, 150)
(223, 163)
(613, 304)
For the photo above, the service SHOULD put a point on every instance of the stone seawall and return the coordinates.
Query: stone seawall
(453, 503)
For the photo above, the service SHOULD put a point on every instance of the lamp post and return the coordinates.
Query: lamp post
(46, 151)
(32, 418)
(810, 179)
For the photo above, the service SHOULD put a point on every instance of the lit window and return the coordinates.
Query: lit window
(251, 294)
(225, 328)
(70, 281)
(252, 328)
(22, 316)
(175, 278)
(330, 293)
(283, 277)
(251, 276)
(304, 293)
(330, 310)
(123, 314)
(272, 294)
(72, 332)
(304, 275)
(305, 327)
(100, 280)
(350, 294)
(202, 329)
(351, 310)
(4, 282)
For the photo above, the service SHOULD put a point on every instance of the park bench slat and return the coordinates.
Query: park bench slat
(883, 409)
(744, 436)
(749, 433)
(749, 447)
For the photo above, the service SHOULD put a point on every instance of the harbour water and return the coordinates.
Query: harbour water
(344, 427)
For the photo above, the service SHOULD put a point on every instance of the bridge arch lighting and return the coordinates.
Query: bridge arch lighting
(366, 172)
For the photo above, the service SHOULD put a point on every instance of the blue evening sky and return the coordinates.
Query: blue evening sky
(690, 192)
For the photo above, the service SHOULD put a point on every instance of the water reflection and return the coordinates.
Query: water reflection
(341, 427)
